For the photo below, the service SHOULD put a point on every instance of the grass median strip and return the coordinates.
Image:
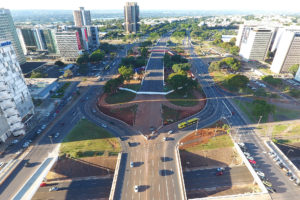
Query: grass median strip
(87, 139)
(186, 100)
(120, 97)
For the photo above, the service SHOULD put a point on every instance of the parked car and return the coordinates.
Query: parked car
(53, 189)
(136, 188)
(252, 161)
(249, 158)
(43, 126)
(170, 132)
(104, 125)
(267, 183)
(43, 184)
(292, 178)
(271, 153)
(26, 144)
(270, 189)
(131, 164)
(56, 135)
(38, 131)
(220, 169)
(289, 174)
(247, 154)
(220, 173)
(165, 139)
(1, 164)
(14, 141)
(260, 173)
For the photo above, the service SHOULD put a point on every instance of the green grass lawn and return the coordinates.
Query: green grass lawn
(286, 114)
(134, 87)
(213, 143)
(120, 97)
(87, 139)
(169, 115)
(61, 91)
(181, 100)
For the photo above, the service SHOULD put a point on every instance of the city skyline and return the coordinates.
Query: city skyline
(267, 5)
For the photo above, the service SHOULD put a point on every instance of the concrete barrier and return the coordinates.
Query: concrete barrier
(113, 186)
(285, 158)
(247, 196)
(250, 168)
(180, 173)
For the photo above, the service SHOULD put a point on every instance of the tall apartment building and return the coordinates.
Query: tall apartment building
(255, 43)
(32, 38)
(50, 40)
(69, 44)
(8, 33)
(15, 101)
(82, 17)
(22, 41)
(131, 14)
(288, 52)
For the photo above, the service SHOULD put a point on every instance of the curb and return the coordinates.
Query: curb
(114, 183)
(179, 167)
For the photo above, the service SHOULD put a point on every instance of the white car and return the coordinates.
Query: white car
(220, 169)
(38, 131)
(104, 125)
(131, 164)
(15, 141)
(247, 154)
(170, 132)
(165, 139)
(249, 158)
(1, 164)
(26, 144)
(43, 127)
(56, 135)
(261, 174)
(136, 188)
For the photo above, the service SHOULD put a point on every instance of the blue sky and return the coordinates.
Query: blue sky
(269, 5)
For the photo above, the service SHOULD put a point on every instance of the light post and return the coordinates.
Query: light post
(290, 150)
(50, 137)
(197, 128)
(259, 120)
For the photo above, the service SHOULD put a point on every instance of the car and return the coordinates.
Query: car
(249, 158)
(289, 174)
(271, 153)
(1, 164)
(136, 188)
(26, 144)
(267, 183)
(270, 189)
(18, 152)
(104, 125)
(38, 131)
(247, 154)
(56, 135)
(165, 139)
(170, 132)
(260, 173)
(297, 182)
(43, 184)
(53, 189)
(276, 158)
(292, 178)
(14, 141)
(252, 161)
(220, 173)
(43, 126)
(220, 169)
(94, 111)
(131, 164)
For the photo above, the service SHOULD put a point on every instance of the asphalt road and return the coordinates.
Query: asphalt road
(207, 178)
(83, 189)
(154, 74)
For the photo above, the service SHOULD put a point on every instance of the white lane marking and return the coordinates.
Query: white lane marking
(127, 183)
(140, 171)
(159, 187)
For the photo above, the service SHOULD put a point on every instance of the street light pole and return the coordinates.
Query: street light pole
(197, 127)
(259, 120)
(50, 136)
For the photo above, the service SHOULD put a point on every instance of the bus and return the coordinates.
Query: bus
(107, 67)
(188, 123)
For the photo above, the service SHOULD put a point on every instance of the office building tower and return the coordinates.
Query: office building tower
(22, 41)
(39, 38)
(82, 17)
(131, 15)
(288, 52)
(93, 36)
(16, 105)
(50, 41)
(69, 44)
(8, 33)
(255, 43)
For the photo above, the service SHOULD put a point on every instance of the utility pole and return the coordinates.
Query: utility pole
(197, 127)
(50, 136)
(259, 120)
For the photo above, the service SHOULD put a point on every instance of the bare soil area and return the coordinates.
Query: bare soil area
(67, 168)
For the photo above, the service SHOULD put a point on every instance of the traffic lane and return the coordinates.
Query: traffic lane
(207, 178)
(83, 189)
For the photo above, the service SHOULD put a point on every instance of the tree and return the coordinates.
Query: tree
(144, 52)
(59, 63)
(112, 85)
(214, 66)
(68, 73)
(82, 59)
(260, 92)
(232, 63)
(177, 80)
(236, 81)
(271, 80)
(232, 41)
(181, 67)
(37, 74)
(126, 72)
(234, 50)
(97, 56)
(262, 108)
(293, 69)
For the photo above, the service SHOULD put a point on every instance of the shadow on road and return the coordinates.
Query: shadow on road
(166, 159)
(143, 188)
(165, 172)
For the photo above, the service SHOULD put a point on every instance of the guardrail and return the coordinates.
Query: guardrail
(114, 183)
(180, 173)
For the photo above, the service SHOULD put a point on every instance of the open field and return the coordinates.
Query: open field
(86, 139)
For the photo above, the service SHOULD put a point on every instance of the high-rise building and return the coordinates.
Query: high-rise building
(50, 40)
(131, 14)
(93, 36)
(39, 38)
(288, 52)
(82, 17)
(255, 43)
(15, 101)
(22, 41)
(69, 44)
(8, 33)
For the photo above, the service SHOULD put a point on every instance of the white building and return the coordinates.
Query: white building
(288, 52)
(82, 17)
(8, 33)
(15, 101)
(69, 44)
(227, 38)
(255, 43)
